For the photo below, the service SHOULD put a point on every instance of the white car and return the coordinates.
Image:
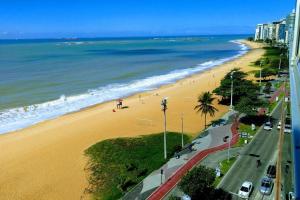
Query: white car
(279, 125)
(268, 126)
(287, 127)
(245, 190)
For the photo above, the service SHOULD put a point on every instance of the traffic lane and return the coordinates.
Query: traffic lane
(287, 165)
(266, 157)
(261, 148)
(247, 170)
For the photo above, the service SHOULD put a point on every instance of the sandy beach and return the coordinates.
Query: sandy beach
(46, 161)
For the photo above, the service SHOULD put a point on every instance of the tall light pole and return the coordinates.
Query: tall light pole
(164, 109)
(182, 144)
(260, 74)
(231, 91)
(280, 61)
(229, 145)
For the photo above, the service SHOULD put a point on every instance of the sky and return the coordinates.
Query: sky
(117, 18)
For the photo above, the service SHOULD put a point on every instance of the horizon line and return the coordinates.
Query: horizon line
(116, 37)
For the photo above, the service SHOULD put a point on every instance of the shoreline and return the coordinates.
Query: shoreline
(35, 114)
(46, 161)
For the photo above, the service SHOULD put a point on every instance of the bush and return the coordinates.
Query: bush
(250, 39)
(257, 63)
(220, 194)
(198, 183)
(266, 72)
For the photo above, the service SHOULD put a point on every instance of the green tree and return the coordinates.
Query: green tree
(220, 194)
(245, 105)
(265, 72)
(267, 88)
(248, 105)
(198, 183)
(205, 105)
(241, 86)
(250, 39)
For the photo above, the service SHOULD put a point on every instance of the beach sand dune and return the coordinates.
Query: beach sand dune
(46, 161)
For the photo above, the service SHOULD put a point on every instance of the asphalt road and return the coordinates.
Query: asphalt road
(262, 147)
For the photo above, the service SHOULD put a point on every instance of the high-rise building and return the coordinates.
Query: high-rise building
(265, 32)
(258, 32)
(281, 32)
(293, 27)
(271, 31)
(289, 28)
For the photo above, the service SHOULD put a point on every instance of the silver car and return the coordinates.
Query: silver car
(268, 126)
(266, 186)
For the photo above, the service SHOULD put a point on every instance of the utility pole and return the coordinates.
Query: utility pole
(229, 146)
(260, 75)
(279, 67)
(228, 150)
(164, 109)
(182, 143)
(280, 145)
(231, 91)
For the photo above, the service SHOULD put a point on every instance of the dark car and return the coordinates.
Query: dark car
(271, 171)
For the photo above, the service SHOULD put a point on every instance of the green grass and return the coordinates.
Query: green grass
(117, 165)
(272, 52)
(225, 166)
(278, 85)
(245, 128)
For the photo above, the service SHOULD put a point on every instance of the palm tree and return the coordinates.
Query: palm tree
(205, 105)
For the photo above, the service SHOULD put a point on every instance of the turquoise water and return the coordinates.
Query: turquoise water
(42, 79)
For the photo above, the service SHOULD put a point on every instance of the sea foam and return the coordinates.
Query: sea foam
(21, 117)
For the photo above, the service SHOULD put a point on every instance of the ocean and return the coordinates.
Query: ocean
(44, 79)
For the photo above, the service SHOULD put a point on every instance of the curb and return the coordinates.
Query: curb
(164, 189)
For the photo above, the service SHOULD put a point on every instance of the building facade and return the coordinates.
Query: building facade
(293, 27)
(280, 31)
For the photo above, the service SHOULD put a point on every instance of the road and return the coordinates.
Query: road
(262, 147)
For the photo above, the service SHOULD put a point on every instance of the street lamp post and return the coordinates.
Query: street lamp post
(164, 109)
(280, 61)
(182, 130)
(229, 146)
(231, 91)
(260, 73)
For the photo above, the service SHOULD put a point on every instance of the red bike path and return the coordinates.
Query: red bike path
(165, 188)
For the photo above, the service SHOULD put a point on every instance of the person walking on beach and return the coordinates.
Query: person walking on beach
(120, 104)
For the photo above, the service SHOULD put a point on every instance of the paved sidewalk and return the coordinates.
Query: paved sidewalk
(155, 186)
(211, 161)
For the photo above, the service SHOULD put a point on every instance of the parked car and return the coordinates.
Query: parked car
(266, 186)
(287, 127)
(186, 197)
(268, 96)
(245, 190)
(292, 196)
(268, 126)
(279, 125)
(271, 171)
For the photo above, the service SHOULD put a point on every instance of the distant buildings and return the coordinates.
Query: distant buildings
(280, 31)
